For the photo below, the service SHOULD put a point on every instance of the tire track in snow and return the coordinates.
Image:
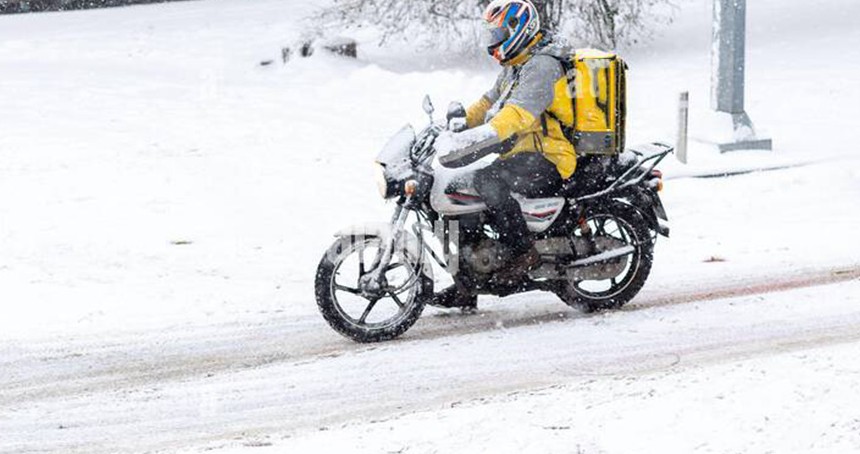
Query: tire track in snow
(71, 367)
(402, 377)
(50, 371)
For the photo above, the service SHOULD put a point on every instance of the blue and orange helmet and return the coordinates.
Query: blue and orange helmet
(512, 26)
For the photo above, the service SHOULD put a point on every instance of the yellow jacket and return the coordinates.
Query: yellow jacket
(518, 105)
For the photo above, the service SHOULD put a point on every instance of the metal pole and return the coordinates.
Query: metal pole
(728, 74)
(727, 90)
(683, 116)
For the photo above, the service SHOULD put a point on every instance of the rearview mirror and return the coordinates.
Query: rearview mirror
(428, 105)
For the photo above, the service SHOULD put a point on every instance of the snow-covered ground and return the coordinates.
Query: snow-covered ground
(653, 381)
(164, 200)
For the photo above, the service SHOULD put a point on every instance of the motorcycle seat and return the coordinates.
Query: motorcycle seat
(581, 185)
(592, 175)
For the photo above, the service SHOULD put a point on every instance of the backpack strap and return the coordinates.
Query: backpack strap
(570, 73)
(509, 90)
(569, 70)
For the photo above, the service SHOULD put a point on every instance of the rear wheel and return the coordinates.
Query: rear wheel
(611, 283)
(370, 315)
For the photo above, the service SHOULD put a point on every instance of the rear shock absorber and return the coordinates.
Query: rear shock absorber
(587, 234)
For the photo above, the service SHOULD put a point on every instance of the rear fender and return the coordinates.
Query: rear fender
(650, 208)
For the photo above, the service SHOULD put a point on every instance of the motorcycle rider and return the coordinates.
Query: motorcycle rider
(519, 119)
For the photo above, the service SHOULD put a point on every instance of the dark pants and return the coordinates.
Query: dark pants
(528, 174)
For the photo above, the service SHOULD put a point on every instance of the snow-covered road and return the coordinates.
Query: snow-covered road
(169, 390)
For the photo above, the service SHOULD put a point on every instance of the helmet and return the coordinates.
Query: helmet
(512, 26)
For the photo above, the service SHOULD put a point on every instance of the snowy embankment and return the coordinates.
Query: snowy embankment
(164, 201)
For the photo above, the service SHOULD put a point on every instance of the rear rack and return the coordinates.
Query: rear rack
(652, 154)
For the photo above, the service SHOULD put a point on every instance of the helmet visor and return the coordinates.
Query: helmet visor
(493, 37)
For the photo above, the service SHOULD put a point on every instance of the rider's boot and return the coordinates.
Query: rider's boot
(517, 267)
(514, 234)
(456, 297)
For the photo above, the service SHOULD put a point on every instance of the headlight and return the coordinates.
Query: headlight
(386, 185)
(392, 182)
(381, 181)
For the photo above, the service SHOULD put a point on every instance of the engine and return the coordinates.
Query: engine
(486, 257)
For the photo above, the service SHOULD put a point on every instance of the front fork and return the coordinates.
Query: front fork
(374, 281)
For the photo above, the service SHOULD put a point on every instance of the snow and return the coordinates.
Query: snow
(471, 139)
(164, 201)
(763, 404)
(130, 132)
(229, 388)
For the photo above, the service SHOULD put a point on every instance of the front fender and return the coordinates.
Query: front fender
(379, 229)
(408, 241)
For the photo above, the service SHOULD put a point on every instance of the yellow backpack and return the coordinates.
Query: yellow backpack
(597, 84)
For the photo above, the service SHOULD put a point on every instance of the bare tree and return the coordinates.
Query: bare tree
(400, 18)
(551, 13)
(602, 23)
(611, 23)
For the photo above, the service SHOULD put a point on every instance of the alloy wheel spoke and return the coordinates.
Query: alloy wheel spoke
(623, 234)
(617, 229)
(367, 310)
(601, 226)
(344, 288)
(396, 300)
(393, 266)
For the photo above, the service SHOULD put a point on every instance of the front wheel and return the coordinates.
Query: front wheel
(612, 283)
(364, 315)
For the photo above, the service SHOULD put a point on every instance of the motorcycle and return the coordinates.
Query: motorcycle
(596, 237)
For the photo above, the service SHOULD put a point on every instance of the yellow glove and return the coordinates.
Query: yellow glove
(477, 112)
